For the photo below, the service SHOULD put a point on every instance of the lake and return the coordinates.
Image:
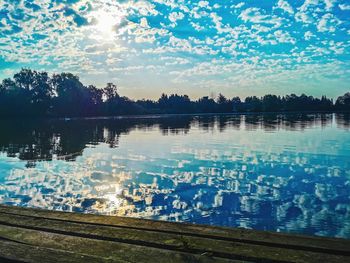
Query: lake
(284, 173)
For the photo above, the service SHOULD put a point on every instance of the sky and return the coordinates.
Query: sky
(199, 48)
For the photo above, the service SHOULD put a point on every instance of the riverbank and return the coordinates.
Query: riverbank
(33, 235)
(169, 115)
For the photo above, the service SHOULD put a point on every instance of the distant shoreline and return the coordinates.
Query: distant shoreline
(170, 115)
(35, 94)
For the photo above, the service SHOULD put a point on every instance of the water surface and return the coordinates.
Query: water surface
(285, 173)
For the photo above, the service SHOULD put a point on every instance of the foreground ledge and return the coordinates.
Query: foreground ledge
(34, 235)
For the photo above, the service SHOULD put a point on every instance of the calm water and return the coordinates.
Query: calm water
(288, 173)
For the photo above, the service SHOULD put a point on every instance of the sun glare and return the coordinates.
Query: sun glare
(107, 22)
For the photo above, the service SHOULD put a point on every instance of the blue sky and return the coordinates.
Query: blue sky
(189, 47)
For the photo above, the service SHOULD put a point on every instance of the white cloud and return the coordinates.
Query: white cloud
(252, 14)
(284, 37)
(145, 39)
(220, 27)
(344, 7)
(217, 21)
(144, 8)
(305, 12)
(284, 5)
(304, 18)
(184, 44)
(308, 4)
(144, 22)
(175, 61)
(328, 23)
(308, 35)
(257, 15)
(337, 47)
(175, 16)
(197, 26)
(203, 4)
(239, 5)
(330, 4)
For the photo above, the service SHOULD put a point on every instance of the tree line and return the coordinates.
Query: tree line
(33, 93)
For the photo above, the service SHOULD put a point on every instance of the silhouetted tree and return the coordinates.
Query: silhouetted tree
(69, 94)
(236, 104)
(224, 105)
(111, 92)
(271, 103)
(253, 104)
(343, 102)
(112, 98)
(24, 79)
(92, 101)
(41, 93)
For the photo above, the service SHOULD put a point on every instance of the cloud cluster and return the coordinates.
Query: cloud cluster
(97, 39)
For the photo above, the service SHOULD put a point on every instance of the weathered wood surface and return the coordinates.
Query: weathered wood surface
(33, 235)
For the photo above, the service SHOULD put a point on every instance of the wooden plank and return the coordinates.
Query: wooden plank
(17, 252)
(89, 248)
(279, 240)
(164, 241)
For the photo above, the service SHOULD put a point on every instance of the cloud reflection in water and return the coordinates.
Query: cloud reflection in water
(288, 173)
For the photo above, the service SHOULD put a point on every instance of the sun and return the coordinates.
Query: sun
(107, 22)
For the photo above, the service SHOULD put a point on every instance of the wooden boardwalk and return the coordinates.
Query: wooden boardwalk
(33, 235)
